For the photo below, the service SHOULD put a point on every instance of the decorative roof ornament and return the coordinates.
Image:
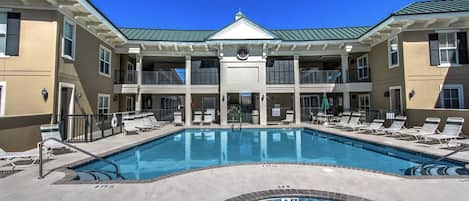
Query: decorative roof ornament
(239, 15)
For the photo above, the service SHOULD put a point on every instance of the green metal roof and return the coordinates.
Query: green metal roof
(320, 34)
(428, 7)
(347, 33)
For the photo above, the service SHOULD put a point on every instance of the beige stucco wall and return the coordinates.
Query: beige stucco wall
(425, 79)
(33, 70)
(83, 71)
(384, 77)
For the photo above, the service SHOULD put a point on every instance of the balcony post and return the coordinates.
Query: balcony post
(345, 67)
(188, 97)
(296, 71)
(346, 100)
(138, 68)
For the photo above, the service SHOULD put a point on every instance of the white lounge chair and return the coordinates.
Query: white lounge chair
(51, 131)
(207, 118)
(129, 126)
(430, 127)
(13, 157)
(344, 119)
(452, 130)
(197, 118)
(289, 118)
(397, 125)
(319, 118)
(354, 122)
(147, 120)
(373, 127)
(141, 123)
(178, 119)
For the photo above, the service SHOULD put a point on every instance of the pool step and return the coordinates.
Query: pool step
(95, 175)
(436, 170)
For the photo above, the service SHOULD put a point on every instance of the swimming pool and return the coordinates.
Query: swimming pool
(201, 148)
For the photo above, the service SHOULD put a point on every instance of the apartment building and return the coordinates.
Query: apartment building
(65, 57)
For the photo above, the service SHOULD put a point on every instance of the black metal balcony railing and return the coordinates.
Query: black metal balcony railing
(320, 76)
(162, 78)
(359, 75)
(205, 77)
(125, 77)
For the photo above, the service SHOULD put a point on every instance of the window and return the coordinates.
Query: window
(130, 103)
(362, 67)
(451, 96)
(393, 50)
(103, 103)
(9, 33)
(448, 48)
(68, 42)
(2, 97)
(104, 61)
(364, 102)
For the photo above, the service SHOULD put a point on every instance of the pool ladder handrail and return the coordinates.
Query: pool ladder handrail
(41, 145)
(443, 157)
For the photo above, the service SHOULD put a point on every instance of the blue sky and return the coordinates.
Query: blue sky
(272, 14)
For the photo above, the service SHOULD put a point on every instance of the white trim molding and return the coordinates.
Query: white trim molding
(390, 97)
(105, 49)
(3, 93)
(74, 39)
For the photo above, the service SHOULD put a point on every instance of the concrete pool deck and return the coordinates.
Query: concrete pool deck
(230, 181)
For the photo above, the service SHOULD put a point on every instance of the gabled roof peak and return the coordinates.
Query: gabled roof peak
(239, 15)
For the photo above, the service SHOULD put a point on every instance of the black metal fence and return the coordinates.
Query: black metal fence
(88, 128)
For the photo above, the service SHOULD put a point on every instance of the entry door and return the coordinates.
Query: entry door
(130, 103)
(65, 111)
(309, 103)
(131, 73)
(395, 95)
(209, 105)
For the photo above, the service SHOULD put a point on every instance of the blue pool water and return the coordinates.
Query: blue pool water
(195, 148)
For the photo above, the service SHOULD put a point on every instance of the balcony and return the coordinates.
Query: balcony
(125, 77)
(320, 76)
(359, 75)
(163, 77)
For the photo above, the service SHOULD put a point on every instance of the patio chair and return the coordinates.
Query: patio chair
(155, 121)
(13, 157)
(354, 122)
(178, 119)
(344, 120)
(141, 124)
(430, 127)
(129, 126)
(147, 121)
(289, 118)
(51, 131)
(319, 118)
(397, 125)
(197, 118)
(207, 119)
(452, 130)
(370, 128)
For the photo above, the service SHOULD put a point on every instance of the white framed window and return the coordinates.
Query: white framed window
(130, 103)
(104, 101)
(104, 61)
(3, 33)
(3, 91)
(364, 102)
(393, 52)
(452, 96)
(68, 39)
(448, 48)
(362, 67)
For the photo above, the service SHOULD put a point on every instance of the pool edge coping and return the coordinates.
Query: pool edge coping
(70, 174)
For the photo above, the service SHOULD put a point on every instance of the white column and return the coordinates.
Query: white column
(138, 97)
(346, 100)
(223, 95)
(188, 95)
(263, 94)
(344, 64)
(296, 69)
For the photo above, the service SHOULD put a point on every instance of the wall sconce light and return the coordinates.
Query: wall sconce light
(411, 94)
(45, 94)
(114, 98)
(223, 98)
(262, 98)
(386, 94)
